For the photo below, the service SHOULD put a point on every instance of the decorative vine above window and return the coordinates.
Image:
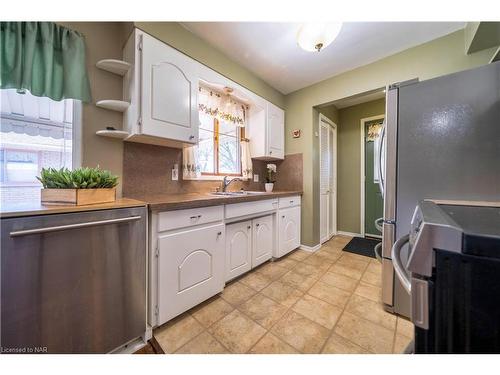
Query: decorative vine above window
(221, 106)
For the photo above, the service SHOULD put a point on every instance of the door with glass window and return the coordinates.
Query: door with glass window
(374, 201)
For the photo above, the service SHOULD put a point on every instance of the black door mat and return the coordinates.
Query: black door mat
(362, 246)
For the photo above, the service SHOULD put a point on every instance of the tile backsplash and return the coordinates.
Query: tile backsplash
(147, 171)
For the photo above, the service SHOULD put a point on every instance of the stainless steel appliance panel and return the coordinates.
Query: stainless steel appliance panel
(448, 140)
(73, 283)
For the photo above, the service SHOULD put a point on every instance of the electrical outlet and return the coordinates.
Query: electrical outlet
(255, 178)
(175, 172)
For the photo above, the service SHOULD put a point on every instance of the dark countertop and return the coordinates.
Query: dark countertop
(32, 208)
(166, 202)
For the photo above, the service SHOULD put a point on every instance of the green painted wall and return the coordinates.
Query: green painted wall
(180, 38)
(438, 57)
(349, 163)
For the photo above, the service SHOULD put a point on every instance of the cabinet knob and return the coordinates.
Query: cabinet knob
(191, 137)
(283, 217)
(249, 227)
(257, 224)
(219, 234)
(270, 152)
(291, 202)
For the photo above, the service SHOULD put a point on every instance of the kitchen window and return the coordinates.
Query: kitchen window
(35, 133)
(222, 149)
(219, 152)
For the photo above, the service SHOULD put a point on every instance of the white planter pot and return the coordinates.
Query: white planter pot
(269, 187)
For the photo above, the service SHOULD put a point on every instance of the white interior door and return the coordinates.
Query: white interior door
(328, 180)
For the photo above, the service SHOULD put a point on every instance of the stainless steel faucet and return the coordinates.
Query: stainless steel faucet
(226, 182)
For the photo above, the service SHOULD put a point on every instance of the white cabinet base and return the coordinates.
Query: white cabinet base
(262, 239)
(238, 249)
(289, 230)
(190, 269)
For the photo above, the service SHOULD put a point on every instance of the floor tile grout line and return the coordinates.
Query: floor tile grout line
(340, 316)
(317, 277)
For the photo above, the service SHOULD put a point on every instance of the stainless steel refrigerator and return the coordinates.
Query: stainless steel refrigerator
(441, 140)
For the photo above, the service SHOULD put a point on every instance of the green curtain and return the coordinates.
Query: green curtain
(44, 58)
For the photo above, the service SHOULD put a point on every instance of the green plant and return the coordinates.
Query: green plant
(81, 178)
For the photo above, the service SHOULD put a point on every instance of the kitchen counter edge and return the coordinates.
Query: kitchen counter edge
(35, 209)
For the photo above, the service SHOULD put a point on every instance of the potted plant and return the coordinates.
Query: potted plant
(80, 186)
(271, 168)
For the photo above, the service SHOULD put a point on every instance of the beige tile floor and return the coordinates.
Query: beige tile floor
(323, 302)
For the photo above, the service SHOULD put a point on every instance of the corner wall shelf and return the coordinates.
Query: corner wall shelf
(114, 66)
(118, 134)
(113, 105)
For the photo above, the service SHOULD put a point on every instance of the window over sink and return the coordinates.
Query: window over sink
(222, 140)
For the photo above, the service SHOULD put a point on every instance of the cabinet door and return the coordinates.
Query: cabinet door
(262, 240)
(238, 249)
(275, 131)
(190, 269)
(169, 93)
(289, 230)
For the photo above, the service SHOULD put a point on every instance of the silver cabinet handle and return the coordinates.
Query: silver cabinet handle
(398, 264)
(195, 217)
(26, 232)
(291, 202)
(377, 250)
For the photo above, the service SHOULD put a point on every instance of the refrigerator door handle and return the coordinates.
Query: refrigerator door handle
(398, 264)
(379, 161)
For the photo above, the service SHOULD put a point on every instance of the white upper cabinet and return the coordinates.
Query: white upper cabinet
(267, 131)
(163, 92)
(275, 131)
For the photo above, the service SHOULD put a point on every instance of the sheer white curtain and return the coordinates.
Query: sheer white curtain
(190, 166)
(246, 161)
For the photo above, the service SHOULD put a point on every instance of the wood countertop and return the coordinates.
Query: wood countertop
(36, 208)
(167, 202)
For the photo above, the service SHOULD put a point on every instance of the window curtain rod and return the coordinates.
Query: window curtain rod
(44, 58)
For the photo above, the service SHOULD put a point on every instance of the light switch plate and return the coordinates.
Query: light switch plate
(255, 178)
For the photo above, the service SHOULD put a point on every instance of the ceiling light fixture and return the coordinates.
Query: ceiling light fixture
(315, 36)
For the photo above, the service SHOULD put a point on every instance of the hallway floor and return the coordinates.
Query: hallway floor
(323, 302)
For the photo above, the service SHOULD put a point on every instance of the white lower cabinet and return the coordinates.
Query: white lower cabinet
(248, 244)
(190, 269)
(289, 230)
(238, 249)
(262, 239)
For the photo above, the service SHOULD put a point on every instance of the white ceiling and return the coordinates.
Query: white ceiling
(271, 52)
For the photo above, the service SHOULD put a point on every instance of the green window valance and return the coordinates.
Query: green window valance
(45, 58)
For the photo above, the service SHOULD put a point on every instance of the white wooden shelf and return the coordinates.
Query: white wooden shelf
(114, 66)
(113, 105)
(118, 134)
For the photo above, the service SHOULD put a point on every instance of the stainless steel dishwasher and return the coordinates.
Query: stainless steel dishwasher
(73, 283)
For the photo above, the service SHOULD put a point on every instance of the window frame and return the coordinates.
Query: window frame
(216, 144)
(76, 147)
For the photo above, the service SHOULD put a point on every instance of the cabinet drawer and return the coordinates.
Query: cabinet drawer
(250, 208)
(289, 201)
(185, 218)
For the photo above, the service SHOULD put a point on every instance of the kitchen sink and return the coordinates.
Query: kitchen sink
(237, 193)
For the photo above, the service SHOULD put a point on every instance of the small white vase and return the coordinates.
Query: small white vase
(269, 186)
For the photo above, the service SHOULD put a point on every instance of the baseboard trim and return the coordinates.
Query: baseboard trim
(350, 234)
(310, 249)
